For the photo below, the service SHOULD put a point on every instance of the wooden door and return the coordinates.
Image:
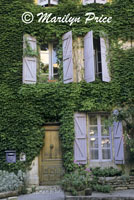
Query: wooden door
(50, 159)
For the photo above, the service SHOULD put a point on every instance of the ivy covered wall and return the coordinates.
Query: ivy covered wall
(25, 108)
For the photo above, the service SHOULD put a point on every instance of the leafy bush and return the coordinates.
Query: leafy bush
(102, 188)
(77, 180)
(11, 181)
(106, 172)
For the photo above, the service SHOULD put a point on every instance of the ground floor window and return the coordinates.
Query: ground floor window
(95, 141)
(99, 138)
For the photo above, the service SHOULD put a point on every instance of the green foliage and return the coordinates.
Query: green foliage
(78, 180)
(26, 108)
(102, 188)
(11, 181)
(106, 172)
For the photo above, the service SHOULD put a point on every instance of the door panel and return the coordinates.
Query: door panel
(50, 159)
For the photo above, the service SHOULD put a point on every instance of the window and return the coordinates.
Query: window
(95, 58)
(95, 142)
(48, 62)
(99, 138)
(46, 67)
(94, 1)
(47, 2)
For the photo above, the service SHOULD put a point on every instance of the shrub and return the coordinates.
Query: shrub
(11, 181)
(78, 180)
(106, 172)
(102, 188)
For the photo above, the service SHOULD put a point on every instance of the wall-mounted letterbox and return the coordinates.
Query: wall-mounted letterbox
(11, 156)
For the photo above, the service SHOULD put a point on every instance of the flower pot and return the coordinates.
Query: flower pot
(51, 81)
(88, 191)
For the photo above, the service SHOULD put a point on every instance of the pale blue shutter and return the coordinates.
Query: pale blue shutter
(54, 2)
(101, 1)
(29, 70)
(29, 63)
(42, 2)
(105, 70)
(67, 58)
(80, 144)
(87, 2)
(118, 143)
(89, 58)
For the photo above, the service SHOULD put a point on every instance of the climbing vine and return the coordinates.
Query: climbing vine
(26, 108)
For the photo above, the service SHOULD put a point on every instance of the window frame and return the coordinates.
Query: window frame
(50, 74)
(98, 115)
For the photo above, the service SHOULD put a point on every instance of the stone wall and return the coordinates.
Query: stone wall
(119, 182)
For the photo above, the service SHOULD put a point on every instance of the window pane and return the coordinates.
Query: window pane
(93, 131)
(94, 154)
(105, 143)
(105, 131)
(55, 65)
(106, 154)
(103, 119)
(93, 120)
(93, 142)
(44, 58)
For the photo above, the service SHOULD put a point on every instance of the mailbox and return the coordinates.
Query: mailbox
(11, 156)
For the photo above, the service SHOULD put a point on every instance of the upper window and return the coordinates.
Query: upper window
(47, 2)
(93, 1)
(43, 63)
(48, 62)
(95, 58)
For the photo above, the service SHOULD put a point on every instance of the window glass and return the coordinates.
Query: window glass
(99, 138)
(55, 64)
(44, 60)
(106, 154)
(97, 57)
(48, 62)
(94, 154)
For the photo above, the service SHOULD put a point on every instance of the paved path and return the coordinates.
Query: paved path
(45, 196)
(60, 195)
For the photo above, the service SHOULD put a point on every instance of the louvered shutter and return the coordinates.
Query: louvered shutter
(80, 147)
(89, 58)
(87, 2)
(42, 2)
(67, 58)
(54, 2)
(29, 63)
(105, 70)
(118, 143)
(29, 70)
(101, 1)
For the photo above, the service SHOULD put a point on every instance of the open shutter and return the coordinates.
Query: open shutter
(54, 2)
(67, 58)
(89, 58)
(101, 1)
(105, 70)
(31, 41)
(118, 143)
(42, 2)
(29, 63)
(29, 70)
(80, 147)
(87, 2)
